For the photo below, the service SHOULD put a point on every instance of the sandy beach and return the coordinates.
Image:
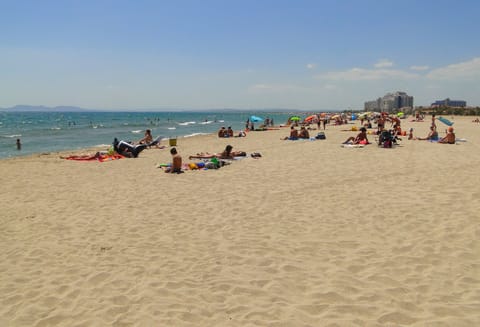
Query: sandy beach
(310, 234)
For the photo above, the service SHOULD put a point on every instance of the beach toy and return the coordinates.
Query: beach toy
(445, 121)
(354, 128)
(200, 164)
(192, 166)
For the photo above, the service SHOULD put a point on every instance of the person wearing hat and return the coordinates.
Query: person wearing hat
(449, 138)
(361, 138)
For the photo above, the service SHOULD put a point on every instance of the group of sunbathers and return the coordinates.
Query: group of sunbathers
(296, 134)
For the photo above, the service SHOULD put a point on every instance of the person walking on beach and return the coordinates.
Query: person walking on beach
(19, 145)
(433, 122)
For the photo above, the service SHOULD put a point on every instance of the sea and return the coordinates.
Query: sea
(45, 132)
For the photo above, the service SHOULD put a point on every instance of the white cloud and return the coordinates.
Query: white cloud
(383, 63)
(463, 70)
(419, 67)
(311, 66)
(361, 74)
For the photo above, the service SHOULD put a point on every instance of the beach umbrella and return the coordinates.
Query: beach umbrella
(310, 118)
(335, 116)
(294, 118)
(363, 115)
(400, 114)
(255, 119)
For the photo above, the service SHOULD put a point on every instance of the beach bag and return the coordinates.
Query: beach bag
(386, 139)
(321, 136)
(210, 165)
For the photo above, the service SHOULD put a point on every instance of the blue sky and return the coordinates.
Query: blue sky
(114, 54)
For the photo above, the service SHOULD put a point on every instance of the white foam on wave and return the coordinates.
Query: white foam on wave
(206, 122)
(11, 136)
(171, 128)
(187, 123)
(137, 131)
(195, 134)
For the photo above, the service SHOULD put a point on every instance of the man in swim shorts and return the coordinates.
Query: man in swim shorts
(176, 166)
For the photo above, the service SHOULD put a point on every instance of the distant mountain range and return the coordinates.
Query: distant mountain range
(23, 108)
(29, 108)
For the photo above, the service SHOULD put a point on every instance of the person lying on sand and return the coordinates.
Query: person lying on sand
(226, 154)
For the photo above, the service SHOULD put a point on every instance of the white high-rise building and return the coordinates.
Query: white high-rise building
(390, 102)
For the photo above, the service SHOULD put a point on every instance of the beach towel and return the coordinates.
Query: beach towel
(352, 145)
(96, 157)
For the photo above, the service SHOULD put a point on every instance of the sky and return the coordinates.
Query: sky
(243, 54)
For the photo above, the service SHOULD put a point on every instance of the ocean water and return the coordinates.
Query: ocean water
(42, 132)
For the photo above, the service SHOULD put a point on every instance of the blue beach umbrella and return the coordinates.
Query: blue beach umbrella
(255, 119)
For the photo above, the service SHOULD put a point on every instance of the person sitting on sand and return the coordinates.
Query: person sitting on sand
(410, 134)
(229, 131)
(293, 134)
(147, 139)
(432, 135)
(303, 133)
(176, 166)
(128, 150)
(222, 132)
(361, 138)
(449, 138)
(225, 154)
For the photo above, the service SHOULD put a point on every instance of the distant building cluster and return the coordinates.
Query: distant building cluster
(390, 102)
(450, 103)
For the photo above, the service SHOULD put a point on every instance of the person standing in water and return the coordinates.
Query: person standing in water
(19, 145)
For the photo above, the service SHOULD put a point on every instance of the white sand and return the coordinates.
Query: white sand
(311, 234)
